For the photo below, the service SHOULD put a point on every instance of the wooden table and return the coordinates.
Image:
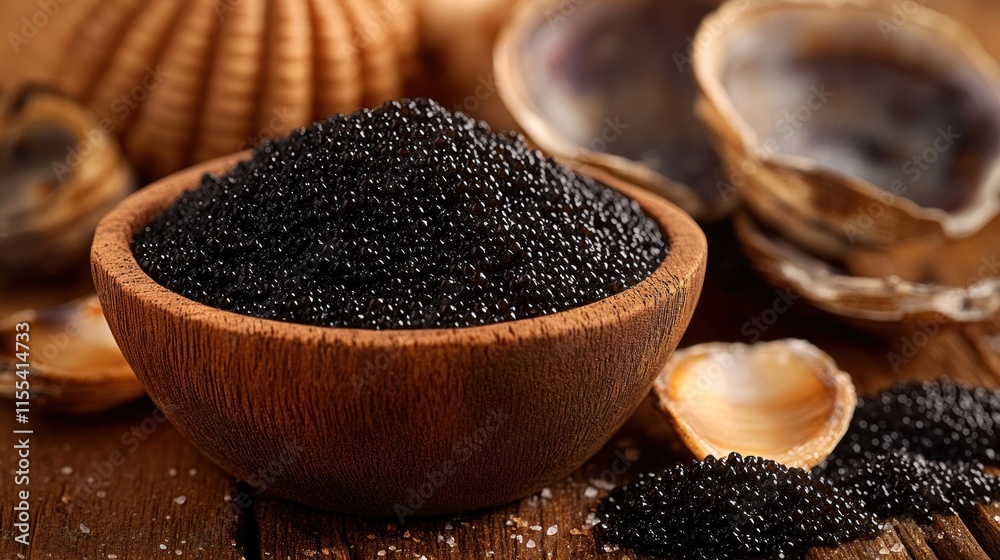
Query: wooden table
(126, 485)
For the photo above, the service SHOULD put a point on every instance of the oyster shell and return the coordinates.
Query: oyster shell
(844, 130)
(75, 363)
(608, 85)
(184, 82)
(784, 400)
(59, 174)
(904, 290)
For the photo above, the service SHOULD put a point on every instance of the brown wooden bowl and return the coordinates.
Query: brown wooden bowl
(394, 422)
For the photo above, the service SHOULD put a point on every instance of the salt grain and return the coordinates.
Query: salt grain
(546, 494)
(66, 471)
(179, 500)
(552, 530)
(84, 529)
(590, 492)
(530, 544)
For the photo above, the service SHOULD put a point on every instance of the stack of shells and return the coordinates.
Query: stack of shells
(183, 82)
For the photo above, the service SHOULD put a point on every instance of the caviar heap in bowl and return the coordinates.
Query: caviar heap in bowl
(407, 312)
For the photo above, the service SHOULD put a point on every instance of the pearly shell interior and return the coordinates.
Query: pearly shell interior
(783, 400)
(856, 95)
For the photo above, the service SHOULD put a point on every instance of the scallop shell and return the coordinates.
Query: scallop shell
(844, 130)
(608, 85)
(184, 82)
(60, 172)
(75, 364)
(784, 400)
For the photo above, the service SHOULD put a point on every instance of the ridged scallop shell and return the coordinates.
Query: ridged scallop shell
(189, 81)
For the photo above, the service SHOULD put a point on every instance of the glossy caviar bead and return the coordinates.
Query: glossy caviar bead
(405, 216)
(904, 484)
(736, 507)
(937, 419)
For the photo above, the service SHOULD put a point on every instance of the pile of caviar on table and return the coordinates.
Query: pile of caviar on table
(915, 450)
(405, 216)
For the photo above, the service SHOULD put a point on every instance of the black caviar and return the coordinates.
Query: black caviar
(937, 419)
(736, 507)
(405, 216)
(904, 484)
(918, 449)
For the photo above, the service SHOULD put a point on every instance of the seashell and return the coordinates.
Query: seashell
(784, 400)
(60, 172)
(843, 130)
(902, 290)
(75, 364)
(183, 82)
(608, 85)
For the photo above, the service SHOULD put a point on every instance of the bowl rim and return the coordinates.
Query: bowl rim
(682, 270)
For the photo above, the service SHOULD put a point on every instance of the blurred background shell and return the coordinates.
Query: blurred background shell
(183, 82)
(60, 171)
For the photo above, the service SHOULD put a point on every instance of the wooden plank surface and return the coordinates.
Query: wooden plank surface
(137, 514)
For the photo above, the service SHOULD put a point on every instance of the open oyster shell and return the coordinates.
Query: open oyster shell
(75, 363)
(903, 290)
(60, 172)
(784, 400)
(608, 85)
(843, 129)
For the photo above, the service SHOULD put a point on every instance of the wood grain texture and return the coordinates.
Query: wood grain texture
(108, 486)
(275, 529)
(378, 422)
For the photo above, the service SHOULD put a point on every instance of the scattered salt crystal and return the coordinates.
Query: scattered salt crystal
(610, 548)
(883, 551)
(520, 538)
(590, 492)
(448, 527)
(450, 542)
(552, 530)
(898, 547)
(112, 556)
(179, 552)
(192, 472)
(603, 484)
(546, 494)
(163, 547)
(575, 532)
(172, 472)
(530, 544)
(84, 529)
(380, 553)
(101, 493)
(66, 471)
(179, 500)
(536, 527)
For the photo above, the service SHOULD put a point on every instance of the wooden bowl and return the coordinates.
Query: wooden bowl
(394, 422)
